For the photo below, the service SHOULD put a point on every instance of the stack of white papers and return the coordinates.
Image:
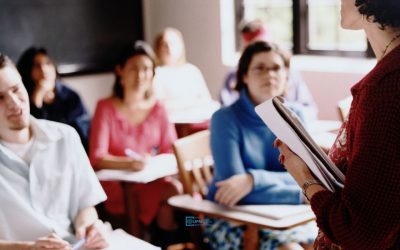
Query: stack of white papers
(288, 128)
(157, 167)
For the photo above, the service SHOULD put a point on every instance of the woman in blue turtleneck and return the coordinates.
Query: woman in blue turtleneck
(247, 170)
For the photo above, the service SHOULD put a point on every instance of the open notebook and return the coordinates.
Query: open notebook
(288, 128)
(156, 167)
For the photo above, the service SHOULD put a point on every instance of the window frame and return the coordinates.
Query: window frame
(301, 33)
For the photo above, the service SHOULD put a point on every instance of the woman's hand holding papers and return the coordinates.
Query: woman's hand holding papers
(297, 169)
(232, 190)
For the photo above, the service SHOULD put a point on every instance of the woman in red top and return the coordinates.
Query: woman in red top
(365, 214)
(133, 120)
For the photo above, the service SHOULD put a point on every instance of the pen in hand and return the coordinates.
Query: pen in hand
(78, 244)
(139, 161)
(132, 154)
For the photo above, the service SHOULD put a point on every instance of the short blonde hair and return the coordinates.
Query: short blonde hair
(157, 43)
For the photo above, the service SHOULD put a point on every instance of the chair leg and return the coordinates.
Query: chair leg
(251, 238)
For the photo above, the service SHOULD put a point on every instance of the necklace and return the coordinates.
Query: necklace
(388, 45)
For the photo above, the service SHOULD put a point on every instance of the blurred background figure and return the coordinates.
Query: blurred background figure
(132, 119)
(297, 89)
(180, 85)
(246, 166)
(49, 98)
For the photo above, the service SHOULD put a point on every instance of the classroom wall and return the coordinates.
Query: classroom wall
(91, 88)
(329, 79)
(327, 89)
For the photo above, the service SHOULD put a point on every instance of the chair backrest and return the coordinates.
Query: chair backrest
(344, 107)
(195, 162)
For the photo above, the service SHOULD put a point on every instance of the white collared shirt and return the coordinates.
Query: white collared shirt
(22, 150)
(47, 194)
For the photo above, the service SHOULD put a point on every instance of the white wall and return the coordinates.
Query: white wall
(91, 88)
(330, 79)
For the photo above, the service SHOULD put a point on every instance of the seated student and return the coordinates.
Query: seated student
(50, 99)
(180, 85)
(48, 188)
(133, 119)
(246, 169)
(297, 90)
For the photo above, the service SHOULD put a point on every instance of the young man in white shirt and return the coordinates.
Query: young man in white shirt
(48, 189)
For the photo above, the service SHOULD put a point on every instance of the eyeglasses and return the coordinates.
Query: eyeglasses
(261, 69)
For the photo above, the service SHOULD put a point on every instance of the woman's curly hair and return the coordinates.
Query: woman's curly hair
(383, 12)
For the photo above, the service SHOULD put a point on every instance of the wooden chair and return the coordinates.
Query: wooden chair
(195, 162)
(193, 155)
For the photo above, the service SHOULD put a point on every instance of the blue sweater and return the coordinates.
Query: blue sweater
(242, 143)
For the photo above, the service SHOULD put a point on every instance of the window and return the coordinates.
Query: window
(306, 26)
(277, 16)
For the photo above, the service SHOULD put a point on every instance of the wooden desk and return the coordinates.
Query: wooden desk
(212, 209)
(158, 167)
(252, 221)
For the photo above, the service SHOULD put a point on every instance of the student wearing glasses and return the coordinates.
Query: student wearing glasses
(246, 169)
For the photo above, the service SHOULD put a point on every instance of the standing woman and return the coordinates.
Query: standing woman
(50, 99)
(246, 167)
(365, 213)
(133, 119)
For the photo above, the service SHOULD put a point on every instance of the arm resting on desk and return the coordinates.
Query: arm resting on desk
(51, 241)
(16, 245)
(119, 162)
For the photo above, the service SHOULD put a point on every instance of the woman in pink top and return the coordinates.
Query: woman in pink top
(133, 119)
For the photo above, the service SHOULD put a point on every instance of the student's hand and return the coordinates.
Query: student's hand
(43, 92)
(232, 190)
(293, 163)
(45, 85)
(51, 242)
(95, 235)
(136, 165)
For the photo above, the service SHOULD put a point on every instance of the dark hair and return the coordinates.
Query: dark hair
(5, 61)
(138, 48)
(383, 12)
(25, 65)
(248, 54)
